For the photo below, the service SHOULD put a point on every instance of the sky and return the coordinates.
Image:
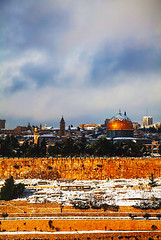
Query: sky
(83, 59)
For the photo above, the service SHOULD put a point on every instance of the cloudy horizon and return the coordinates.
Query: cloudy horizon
(80, 59)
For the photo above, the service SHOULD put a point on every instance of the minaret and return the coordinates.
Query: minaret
(36, 136)
(62, 127)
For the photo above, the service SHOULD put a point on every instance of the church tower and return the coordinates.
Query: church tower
(62, 127)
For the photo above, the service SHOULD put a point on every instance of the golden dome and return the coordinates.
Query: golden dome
(120, 122)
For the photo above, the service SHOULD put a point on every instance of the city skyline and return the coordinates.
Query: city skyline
(68, 123)
(80, 60)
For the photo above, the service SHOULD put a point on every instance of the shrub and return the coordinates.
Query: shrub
(146, 215)
(152, 181)
(10, 190)
(132, 216)
(50, 168)
(57, 229)
(112, 207)
(50, 224)
(158, 216)
(4, 215)
(81, 205)
(153, 227)
(16, 166)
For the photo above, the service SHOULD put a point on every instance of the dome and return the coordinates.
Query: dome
(120, 122)
(36, 129)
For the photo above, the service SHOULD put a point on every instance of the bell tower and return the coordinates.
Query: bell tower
(62, 127)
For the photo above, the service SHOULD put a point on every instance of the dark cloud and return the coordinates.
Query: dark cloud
(86, 53)
(41, 75)
(131, 60)
(4, 3)
(17, 86)
(31, 25)
(139, 60)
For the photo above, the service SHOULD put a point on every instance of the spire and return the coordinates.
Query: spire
(62, 119)
(125, 113)
(119, 111)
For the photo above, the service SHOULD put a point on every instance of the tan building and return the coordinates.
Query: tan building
(89, 126)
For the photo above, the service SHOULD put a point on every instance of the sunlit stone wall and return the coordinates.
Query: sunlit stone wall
(80, 168)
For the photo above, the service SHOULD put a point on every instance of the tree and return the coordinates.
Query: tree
(112, 207)
(43, 147)
(102, 147)
(88, 149)
(158, 216)
(9, 146)
(136, 149)
(154, 227)
(10, 190)
(131, 149)
(33, 150)
(160, 149)
(146, 216)
(4, 215)
(55, 150)
(24, 147)
(51, 224)
(152, 181)
(132, 216)
(7, 190)
(105, 206)
(68, 147)
(61, 207)
(19, 189)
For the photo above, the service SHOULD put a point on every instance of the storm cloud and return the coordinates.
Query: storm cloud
(83, 59)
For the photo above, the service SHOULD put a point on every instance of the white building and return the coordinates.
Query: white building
(146, 121)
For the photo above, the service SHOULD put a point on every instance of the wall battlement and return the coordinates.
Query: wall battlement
(80, 168)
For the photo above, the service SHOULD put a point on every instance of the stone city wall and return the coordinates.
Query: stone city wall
(79, 225)
(107, 235)
(79, 168)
